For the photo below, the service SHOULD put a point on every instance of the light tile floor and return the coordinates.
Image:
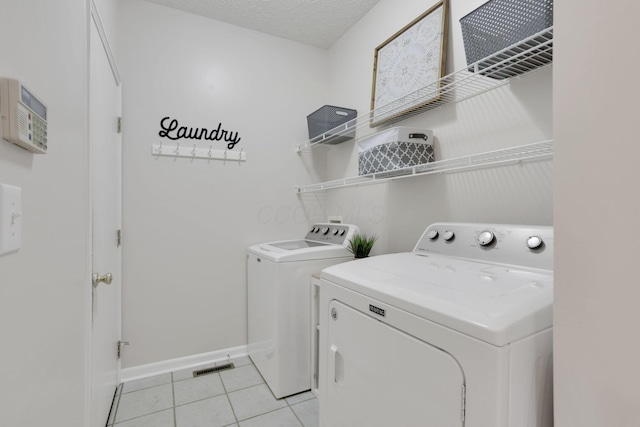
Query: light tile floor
(237, 397)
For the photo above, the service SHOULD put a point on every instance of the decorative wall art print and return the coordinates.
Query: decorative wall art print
(407, 67)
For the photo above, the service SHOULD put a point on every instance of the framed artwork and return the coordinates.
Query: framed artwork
(410, 60)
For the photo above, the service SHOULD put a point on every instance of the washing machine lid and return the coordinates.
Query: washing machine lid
(299, 250)
(290, 245)
(495, 303)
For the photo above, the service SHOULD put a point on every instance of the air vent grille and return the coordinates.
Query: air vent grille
(213, 370)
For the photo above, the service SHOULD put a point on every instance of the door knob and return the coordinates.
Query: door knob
(97, 279)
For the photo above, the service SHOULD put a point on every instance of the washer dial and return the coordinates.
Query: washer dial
(534, 242)
(432, 234)
(449, 235)
(486, 238)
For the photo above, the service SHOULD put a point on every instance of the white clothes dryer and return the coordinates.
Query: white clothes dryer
(456, 333)
(278, 293)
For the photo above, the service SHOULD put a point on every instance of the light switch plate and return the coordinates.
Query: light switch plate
(10, 219)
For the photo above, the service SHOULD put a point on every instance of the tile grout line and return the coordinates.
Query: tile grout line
(264, 382)
(115, 424)
(147, 387)
(140, 416)
(226, 393)
(294, 412)
(270, 412)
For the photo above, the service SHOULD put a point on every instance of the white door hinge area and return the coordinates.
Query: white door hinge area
(118, 238)
(120, 345)
(119, 125)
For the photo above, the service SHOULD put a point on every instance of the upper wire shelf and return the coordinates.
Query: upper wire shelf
(528, 152)
(530, 54)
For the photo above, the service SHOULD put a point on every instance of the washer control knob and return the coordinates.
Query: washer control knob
(449, 235)
(342, 232)
(325, 230)
(317, 229)
(313, 230)
(534, 242)
(335, 232)
(432, 234)
(486, 238)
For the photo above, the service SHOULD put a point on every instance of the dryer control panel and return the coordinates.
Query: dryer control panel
(522, 245)
(337, 234)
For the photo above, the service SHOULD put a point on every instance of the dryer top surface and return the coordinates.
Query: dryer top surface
(496, 303)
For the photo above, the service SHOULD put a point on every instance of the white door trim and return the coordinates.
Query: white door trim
(88, 261)
(95, 15)
(92, 15)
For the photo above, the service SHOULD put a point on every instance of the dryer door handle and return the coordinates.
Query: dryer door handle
(336, 365)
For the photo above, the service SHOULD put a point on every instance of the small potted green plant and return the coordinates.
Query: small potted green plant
(360, 245)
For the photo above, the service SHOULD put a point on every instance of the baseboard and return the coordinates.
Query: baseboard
(188, 362)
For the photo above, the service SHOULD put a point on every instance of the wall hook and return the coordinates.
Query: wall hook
(210, 147)
(193, 152)
(177, 149)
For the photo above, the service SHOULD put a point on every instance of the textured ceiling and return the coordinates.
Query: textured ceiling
(316, 22)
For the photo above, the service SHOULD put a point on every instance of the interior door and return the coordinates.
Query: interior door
(378, 376)
(105, 147)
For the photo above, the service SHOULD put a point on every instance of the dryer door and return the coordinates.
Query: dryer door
(379, 376)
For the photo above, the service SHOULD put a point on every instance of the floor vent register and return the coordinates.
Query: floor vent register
(213, 370)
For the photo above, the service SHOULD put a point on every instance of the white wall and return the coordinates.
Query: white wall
(596, 212)
(45, 288)
(108, 11)
(187, 224)
(399, 212)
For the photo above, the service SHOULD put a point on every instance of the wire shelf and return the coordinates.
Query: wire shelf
(530, 54)
(523, 153)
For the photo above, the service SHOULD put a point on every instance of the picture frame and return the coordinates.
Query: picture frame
(410, 60)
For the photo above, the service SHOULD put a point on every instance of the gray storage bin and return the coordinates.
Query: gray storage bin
(332, 125)
(498, 24)
(400, 147)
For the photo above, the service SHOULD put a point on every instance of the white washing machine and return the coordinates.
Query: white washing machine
(456, 333)
(279, 290)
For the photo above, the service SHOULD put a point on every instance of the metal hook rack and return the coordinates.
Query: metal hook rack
(198, 153)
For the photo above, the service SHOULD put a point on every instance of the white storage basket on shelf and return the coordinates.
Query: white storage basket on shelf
(395, 148)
